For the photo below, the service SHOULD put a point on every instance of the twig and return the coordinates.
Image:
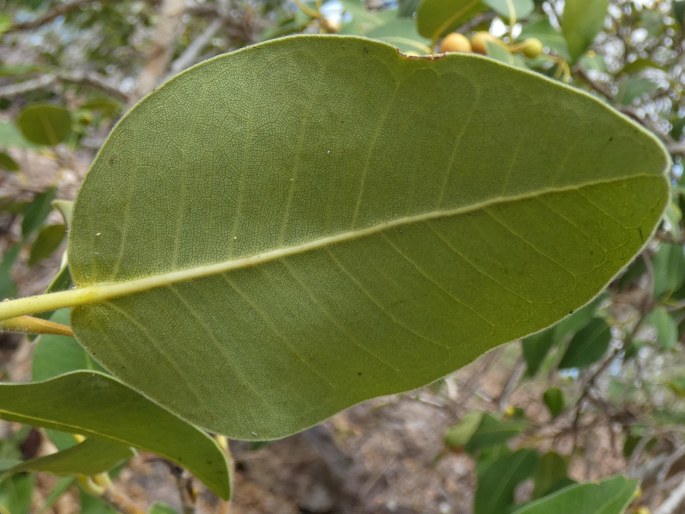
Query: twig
(74, 77)
(56, 12)
(190, 54)
(673, 501)
(161, 49)
(512, 383)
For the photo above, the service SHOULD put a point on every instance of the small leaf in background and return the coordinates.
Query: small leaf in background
(639, 65)
(5, 23)
(499, 53)
(612, 496)
(407, 8)
(45, 124)
(550, 474)
(536, 348)
(65, 208)
(679, 12)
(677, 385)
(666, 328)
(401, 32)
(94, 404)
(669, 269)
(633, 88)
(60, 487)
(358, 20)
(554, 400)
(48, 240)
(56, 355)
(162, 508)
(511, 10)
(588, 345)
(551, 38)
(458, 436)
(493, 431)
(581, 22)
(90, 457)
(435, 18)
(592, 61)
(95, 505)
(37, 211)
(105, 106)
(7, 163)
(497, 480)
(16, 494)
(8, 288)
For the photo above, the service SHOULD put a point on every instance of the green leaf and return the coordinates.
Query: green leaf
(162, 508)
(48, 240)
(554, 400)
(37, 211)
(498, 481)
(551, 470)
(511, 10)
(55, 355)
(60, 487)
(493, 431)
(633, 88)
(45, 124)
(435, 18)
(97, 405)
(90, 457)
(373, 226)
(666, 328)
(581, 22)
(401, 32)
(612, 496)
(669, 269)
(7, 163)
(8, 288)
(588, 345)
(16, 493)
(679, 12)
(458, 436)
(537, 346)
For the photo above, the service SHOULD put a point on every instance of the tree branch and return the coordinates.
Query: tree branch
(56, 12)
(158, 56)
(673, 501)
(75, 77)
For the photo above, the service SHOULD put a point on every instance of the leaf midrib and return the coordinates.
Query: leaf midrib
(104, 291)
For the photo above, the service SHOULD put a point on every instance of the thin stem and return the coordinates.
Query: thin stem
(31, 325)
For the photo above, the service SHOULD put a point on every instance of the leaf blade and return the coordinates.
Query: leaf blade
(303, 285)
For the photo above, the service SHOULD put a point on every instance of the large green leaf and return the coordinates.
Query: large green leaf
(581, 22)
(611, 496)
(257, 254)
(90, 457)
(97, 405)
(435, 18)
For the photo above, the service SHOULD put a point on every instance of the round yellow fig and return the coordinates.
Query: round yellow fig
(455, 42)
(480, 40)
(532, 47)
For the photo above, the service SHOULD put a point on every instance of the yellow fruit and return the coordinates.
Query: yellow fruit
(455, 42)
(480, 40)
(532, 47)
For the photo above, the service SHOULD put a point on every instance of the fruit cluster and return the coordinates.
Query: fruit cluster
(456, 42)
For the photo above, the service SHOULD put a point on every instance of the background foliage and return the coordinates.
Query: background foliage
(612, 371)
